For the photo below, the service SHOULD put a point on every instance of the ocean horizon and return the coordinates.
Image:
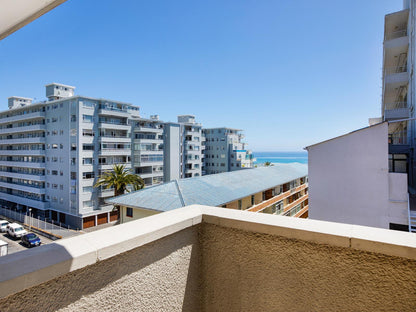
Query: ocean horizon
(280, 157)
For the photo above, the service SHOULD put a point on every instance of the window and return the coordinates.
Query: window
(129, 212)
(87, 118)
(54, 172)
(239, 204)
(87, 132)
(88, 175)
(252, 200)
(73, 175)
(87, 147)
(73, 161)
(73, 146)
(87, 161)
(87, 203)
(73, 118)
(87, 189)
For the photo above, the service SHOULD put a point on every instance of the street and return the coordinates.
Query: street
(16, 245)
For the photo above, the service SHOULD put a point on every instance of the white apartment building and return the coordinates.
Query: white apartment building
(225, 151)
(148, 149)
(51, 153)
(384, 190)
(182, 148)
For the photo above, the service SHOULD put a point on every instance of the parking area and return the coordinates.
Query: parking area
(15, 245)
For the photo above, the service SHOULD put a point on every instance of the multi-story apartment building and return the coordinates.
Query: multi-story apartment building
(225, 151)
(51, 153)
(182, 148)
(281, 190)
(375, 168)
(148, 149)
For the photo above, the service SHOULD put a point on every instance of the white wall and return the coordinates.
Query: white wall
(349, 178)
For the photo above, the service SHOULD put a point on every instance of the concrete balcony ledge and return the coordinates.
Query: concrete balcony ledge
(165, 258)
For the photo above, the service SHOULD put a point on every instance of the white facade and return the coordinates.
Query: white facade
(52, 152)
(183, 148)
(350, 181)
(148, 149)
(225, 151)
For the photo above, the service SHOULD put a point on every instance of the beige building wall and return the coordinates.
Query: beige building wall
(214, 268)
(137, 214)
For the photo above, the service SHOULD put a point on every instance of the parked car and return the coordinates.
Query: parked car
(31, 240)
(15, 230)
(3, 225)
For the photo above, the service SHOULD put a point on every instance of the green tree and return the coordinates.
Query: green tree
(118, 179)
(268, 164)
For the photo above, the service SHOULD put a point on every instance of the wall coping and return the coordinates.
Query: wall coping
(35, 266)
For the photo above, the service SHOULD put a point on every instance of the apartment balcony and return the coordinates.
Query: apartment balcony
(202, 258)
(23, 152)
(149, 141)
(23, 164)
(23, 141)
(23, 129)
(395, 25)
(115, 139)
(148, 129)
(23, 117)
(396, 76)
(396, 110)
(22, 175)
(398, 143)
(115, 152)
(114, 126)
(110, 166)
(113, 112)
(25, 201)
(24, 188)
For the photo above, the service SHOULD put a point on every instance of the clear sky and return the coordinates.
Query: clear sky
(290, 73)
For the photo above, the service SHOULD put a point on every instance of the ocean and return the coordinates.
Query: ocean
(280, 157)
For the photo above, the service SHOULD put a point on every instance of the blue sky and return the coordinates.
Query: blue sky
(290, 73)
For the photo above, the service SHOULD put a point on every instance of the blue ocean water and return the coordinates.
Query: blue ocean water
(280, 157)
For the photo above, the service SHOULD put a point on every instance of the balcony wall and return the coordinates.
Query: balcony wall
(211, 259)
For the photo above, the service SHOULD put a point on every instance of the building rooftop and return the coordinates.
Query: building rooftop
(211, 190)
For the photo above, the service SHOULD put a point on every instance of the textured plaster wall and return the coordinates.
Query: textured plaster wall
(161, 276)
(244, 271)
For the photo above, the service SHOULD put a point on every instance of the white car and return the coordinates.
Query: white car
(3, 225)
(16, 230)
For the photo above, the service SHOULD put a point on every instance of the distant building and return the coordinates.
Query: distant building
(281, 189)
(52, 152)
(225, 151)
(383, 202)
(147, 135)
(182, 148)
(350, 181)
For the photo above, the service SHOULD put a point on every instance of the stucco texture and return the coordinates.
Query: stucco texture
(161, 276)
(214, 268)
(245, 271)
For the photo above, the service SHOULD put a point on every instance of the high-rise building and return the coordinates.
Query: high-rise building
(368, 177)
(225, 151)
(51, 152)
(148, 149)
(182, 148)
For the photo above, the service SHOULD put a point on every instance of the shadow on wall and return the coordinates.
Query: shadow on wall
(164, 273)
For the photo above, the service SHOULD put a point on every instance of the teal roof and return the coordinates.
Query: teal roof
(211, 190)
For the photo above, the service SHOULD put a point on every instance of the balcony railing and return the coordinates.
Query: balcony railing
(395, 105)
(395, 69)
(396, 34)
(398, 138)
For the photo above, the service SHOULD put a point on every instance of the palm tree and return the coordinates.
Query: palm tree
(119, 178)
